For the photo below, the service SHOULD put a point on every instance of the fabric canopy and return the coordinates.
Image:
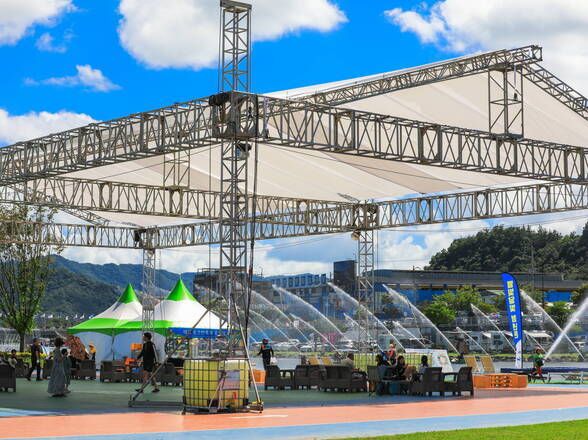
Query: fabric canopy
(178, 310)
(125, 309)
(303, 173)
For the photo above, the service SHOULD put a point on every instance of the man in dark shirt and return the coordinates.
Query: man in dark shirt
(149, 356)
(36, 351)
(266, 351)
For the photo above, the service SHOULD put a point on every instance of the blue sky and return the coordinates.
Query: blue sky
(367, 43)
(68, 62)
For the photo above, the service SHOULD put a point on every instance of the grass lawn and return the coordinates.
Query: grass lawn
(571, 430)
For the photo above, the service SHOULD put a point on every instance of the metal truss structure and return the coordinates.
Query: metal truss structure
(36, 172)
(80, 196)
(303, 125)
(505, 101)
(430, 209)
(148, 299)
(432, 73)
(561, 91)
(231, 116)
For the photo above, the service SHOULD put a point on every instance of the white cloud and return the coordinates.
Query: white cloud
(184, 33)
(86, 76)
(403, 249)
(46, 43)
(32, 125)
(561, 27)
(19, 16)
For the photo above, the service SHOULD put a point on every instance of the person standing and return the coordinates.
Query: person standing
(392, 354)
(267, 352)
(149, 356)
(538, 365)
(57, 381)
(66, 368)
(36, 351)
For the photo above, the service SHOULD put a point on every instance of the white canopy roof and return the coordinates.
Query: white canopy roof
(301, 173)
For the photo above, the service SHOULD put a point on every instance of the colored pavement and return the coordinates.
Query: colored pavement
(503, 407)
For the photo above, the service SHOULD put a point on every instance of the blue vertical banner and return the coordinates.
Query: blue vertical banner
(515, 317)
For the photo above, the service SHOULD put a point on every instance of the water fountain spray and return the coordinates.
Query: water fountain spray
(479, 313)
(394, 294)
(583, 308)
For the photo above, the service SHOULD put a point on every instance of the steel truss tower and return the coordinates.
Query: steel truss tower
(231, 119)
(505, 101)
(366, 218)
(148, 297)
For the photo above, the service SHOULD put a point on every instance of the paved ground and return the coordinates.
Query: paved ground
(319, 415)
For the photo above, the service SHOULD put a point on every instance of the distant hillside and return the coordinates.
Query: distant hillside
(88, 289)
(516, 249)
(121, 274)
(74, 294)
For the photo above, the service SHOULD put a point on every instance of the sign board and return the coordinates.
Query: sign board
(437, 358)
(515, 318)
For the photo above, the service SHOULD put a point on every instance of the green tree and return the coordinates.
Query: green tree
(461, 300)
(24, 266)
(580, 294)
(560, 312)
(516, 249)
(439, 313)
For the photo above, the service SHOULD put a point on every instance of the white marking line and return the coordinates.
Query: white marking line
(267, 416)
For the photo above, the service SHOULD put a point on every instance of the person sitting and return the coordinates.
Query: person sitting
(91, 351)
(12, 359)
(400, 369)
(424, 363)
(348, 361)
(383, 366)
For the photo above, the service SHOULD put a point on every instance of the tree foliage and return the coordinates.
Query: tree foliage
(580, 295)
(24, 266)
(560, 312)
(461, 300)
(439, 313)
(517, 249)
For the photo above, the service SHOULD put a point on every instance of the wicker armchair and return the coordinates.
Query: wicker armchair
(275, 378)
(342, 378)
(85, 369)
(7, 378)
(463, 382)
(170, 375)
(113, 371)
(431, 381)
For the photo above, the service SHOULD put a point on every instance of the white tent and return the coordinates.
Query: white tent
(102, 329)
(178, 310)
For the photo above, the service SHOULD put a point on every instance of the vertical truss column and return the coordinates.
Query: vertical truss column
(235, 46)
(505, 101)
(148, 289)
(365, 277)
(234, 76)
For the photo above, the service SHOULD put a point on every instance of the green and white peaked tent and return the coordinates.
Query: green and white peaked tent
(178, 310)
(103, 328)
